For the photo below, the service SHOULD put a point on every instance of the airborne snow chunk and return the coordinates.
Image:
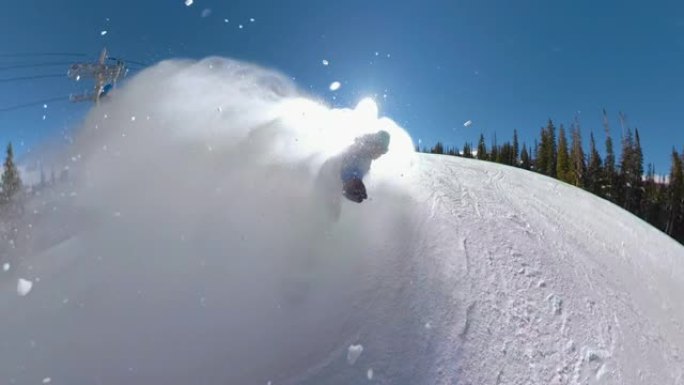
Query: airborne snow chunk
(369, 374)
(206, 12)
(468, 123)
(24, 286)
(325, 62)
(353, 353)
(102, 33)
(188, 2)
(334, 86)
(6, 266)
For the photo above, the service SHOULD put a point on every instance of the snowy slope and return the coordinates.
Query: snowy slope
(482, 274)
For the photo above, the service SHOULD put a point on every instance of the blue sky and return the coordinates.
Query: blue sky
(501, 64)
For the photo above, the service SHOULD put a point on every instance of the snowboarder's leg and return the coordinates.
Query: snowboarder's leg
(354, 190)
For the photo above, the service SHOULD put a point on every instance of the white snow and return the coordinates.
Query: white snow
(47, 380)
(206, 12)
(353, 353)
(5, 266)
(24, 286)
(188, 2)
(468, 123)
(334, 86)
(325, 62)
(425, 273)
(369, 374)
(240, 26)
(252, 20)
(103, 32)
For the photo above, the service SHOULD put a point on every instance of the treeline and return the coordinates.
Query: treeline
(559, 153)
(10, 185)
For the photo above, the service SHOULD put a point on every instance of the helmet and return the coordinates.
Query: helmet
(383, 139)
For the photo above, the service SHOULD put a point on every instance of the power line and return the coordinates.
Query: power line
(33, 54)
(31, 104)
(34, 65)
(20, 78)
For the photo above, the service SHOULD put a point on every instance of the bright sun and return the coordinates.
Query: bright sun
(327, 132)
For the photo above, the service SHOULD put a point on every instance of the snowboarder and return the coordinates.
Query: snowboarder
(356, 162)
(344, 173)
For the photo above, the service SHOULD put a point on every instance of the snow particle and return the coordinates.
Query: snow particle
(44, 117)
(468, 123)
(353, 353)
(132, 118)
(334, 86)
(188, 3)
(47, 380)
(369, 374)
(6, 266)
(252, 20)
(377, 53)
(206, 12)
(103, 32)
(24, 286)
(325, 62)
(226, 21)
(241, 26)
(44, 105)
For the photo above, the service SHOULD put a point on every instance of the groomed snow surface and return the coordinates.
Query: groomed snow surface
(176, 256)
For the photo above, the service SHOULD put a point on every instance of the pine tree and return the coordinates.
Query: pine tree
(525, 161)
(467, 150)
(481, 149)
(535, 156)
(638, 171)
(494, 152)
(553, 152)
(11, 182)
(547, 157)
(563, 163)
(506, 154)
(610, 188)
(437, 149)
(578, 167)
(541, 152)
(594, 179)
(515, 147)
(675, 195)
(631, 173)
(651, 204)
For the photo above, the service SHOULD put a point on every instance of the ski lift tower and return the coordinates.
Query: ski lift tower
(105, 76)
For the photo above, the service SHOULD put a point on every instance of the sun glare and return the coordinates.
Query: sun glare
(327, 131)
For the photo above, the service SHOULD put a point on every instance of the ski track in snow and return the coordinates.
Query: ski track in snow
(548, 299)
(506, 277)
